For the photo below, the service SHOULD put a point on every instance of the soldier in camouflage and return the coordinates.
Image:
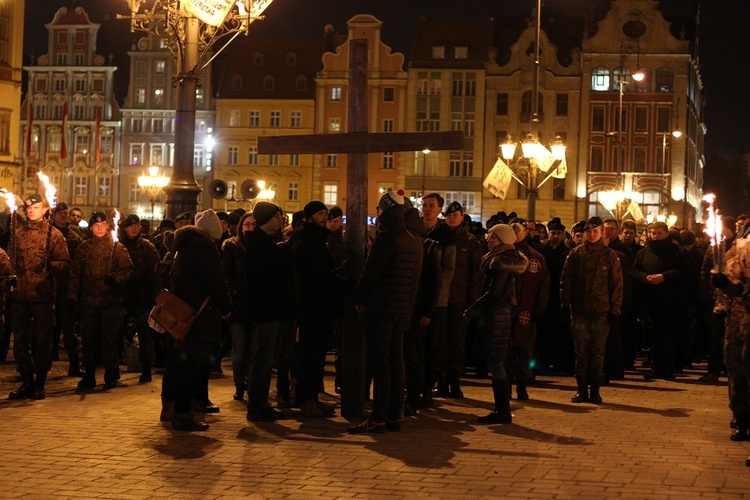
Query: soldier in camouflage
(64, 322)
(140, 291)
(99, 268)
(38, 253)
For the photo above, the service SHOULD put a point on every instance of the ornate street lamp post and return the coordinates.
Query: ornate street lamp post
(195, 31)
(153, 184)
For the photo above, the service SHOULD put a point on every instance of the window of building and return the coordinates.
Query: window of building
(5, 131)
(268, 83)
(597, 118)
(639, 159)
(388, 125)
(234, 117)
(466, 199)
(664, 80)
(464, 84)
(158, 96)
(526, 106)
(198, 158)
(79, 85)
(334, 124)
(79, 59)
(62, 59)
(54, 140)
(597, 159)
(332, 160)
(561, 105)
(294, 160)
(157, 154)
(233, 153)
(438, 52)
(662, 159)
(160, 67)
(136, 125)
(331, 194)
(254, 118)
(387, 161)
(335, 93)
(461, 52)
(621, 76)
(81, 185)
(140, 68)
(501, 106)
(389, 94)
(81, 143)
(78, 110)
(40, 112)
(236, 83)
(300, 83)
(59, 84)
(293, 191)
(105, 186)
(295, 119)
(622, 115)
(157, 126)
(106, 144)
(641, 119)
(662, 120)
(428, 114)
(41, 84)
(273, 160)
(600, 79)
(252, 155)
(558, 189)
(57, 110)
(275, 119)
(461, 164)
(199, 95)
(140, 96)
(134, 192)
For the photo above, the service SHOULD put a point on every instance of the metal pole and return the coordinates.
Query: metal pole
(535, 95)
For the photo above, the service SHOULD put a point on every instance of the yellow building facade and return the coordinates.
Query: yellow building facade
(11, 62)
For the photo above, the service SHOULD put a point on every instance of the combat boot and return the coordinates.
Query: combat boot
(594, 396)
(167, 410)
(742, 432)
(111, 375)
(186, 422)
(582, 396)
(145, 374)
(89, 378)
(521, 393)
(75, 365)
(39, 381)
(501, 414)
(26, 391)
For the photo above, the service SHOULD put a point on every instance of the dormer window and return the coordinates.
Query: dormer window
(461, 52)
(236, 83)
(438, 52)
(268, 83)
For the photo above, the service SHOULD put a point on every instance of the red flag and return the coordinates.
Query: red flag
(29, 124)
(97, 137)
(64, 145)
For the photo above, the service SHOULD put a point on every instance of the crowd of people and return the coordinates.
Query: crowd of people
(442, 297)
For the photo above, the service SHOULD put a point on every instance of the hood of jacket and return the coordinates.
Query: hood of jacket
(414, 222)
(392, 218)
(505, 258)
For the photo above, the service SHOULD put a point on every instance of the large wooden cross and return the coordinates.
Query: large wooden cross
(356, 143)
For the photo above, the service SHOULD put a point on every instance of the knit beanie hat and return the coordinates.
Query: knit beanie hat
(335, 212)
(390, 199)
(504, 233)
(313, 208)
(209, 222)
(264, 211)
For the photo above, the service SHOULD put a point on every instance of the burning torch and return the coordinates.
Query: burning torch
(115, 239)
(714, 229)
(10, 201)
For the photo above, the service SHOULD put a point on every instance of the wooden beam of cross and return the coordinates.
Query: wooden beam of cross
(356, 143)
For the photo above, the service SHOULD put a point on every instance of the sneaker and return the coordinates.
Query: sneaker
(311, 410)
(328, 410)
(368, 426)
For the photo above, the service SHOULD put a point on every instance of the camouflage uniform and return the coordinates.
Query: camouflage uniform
(591, 286)
(64, 321)
(138, 293)
(101, 315)
(40, 254)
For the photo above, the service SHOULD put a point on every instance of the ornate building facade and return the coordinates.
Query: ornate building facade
(11, 60)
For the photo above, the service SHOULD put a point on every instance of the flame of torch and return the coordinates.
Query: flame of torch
(10, 201)
(116, 223)
(714, 228)
(50, 191)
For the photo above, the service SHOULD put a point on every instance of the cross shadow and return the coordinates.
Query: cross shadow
(667, 412)
(539, 436)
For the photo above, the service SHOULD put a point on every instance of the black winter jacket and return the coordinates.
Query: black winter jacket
(269, 290)
(391, 275)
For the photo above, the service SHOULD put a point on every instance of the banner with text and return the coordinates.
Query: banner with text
(499, 179)
(211, 12)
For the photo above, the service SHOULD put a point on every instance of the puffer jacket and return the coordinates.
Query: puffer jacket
(39, 253)
(94, 260)
(467, 279)
(233, 263)
(492, 310)
(270, 292)
(196, 273)
(392, 271)
(445, 243)
(591, 282)
(430, 282)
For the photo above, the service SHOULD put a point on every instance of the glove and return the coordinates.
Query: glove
(719, 280)
(565, 314)
(109, 280)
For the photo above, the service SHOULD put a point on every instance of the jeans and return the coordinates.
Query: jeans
(260, 362)
(240, 348)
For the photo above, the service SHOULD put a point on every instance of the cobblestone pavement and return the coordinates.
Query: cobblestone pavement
(650, 440)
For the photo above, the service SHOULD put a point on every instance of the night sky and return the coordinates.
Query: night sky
(723, 36)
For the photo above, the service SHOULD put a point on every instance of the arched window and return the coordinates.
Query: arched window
(600, 79)
(621, 75)
(664, 80)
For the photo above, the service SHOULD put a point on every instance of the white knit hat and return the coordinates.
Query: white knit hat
(209, 222)
(504, 233)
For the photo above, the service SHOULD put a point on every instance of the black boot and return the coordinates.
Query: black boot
(501, 414)
(39, 381)
(186, 422)
(89, 378)
(145, 374)
(742, 432)
(442, 386)
(75, 365)
(454, 381)
(594, 396)
(582, 396)
(26, 391)
(521, 392)
(111, 375)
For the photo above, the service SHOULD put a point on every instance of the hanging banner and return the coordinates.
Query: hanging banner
(498, 180)
(635, 211)
(212, 12)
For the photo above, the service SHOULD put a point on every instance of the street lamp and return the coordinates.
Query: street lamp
(153, 184)
(533, 160)
(195, 32)
(425, 152)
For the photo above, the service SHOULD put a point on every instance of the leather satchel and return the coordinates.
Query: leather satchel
(173, 315)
